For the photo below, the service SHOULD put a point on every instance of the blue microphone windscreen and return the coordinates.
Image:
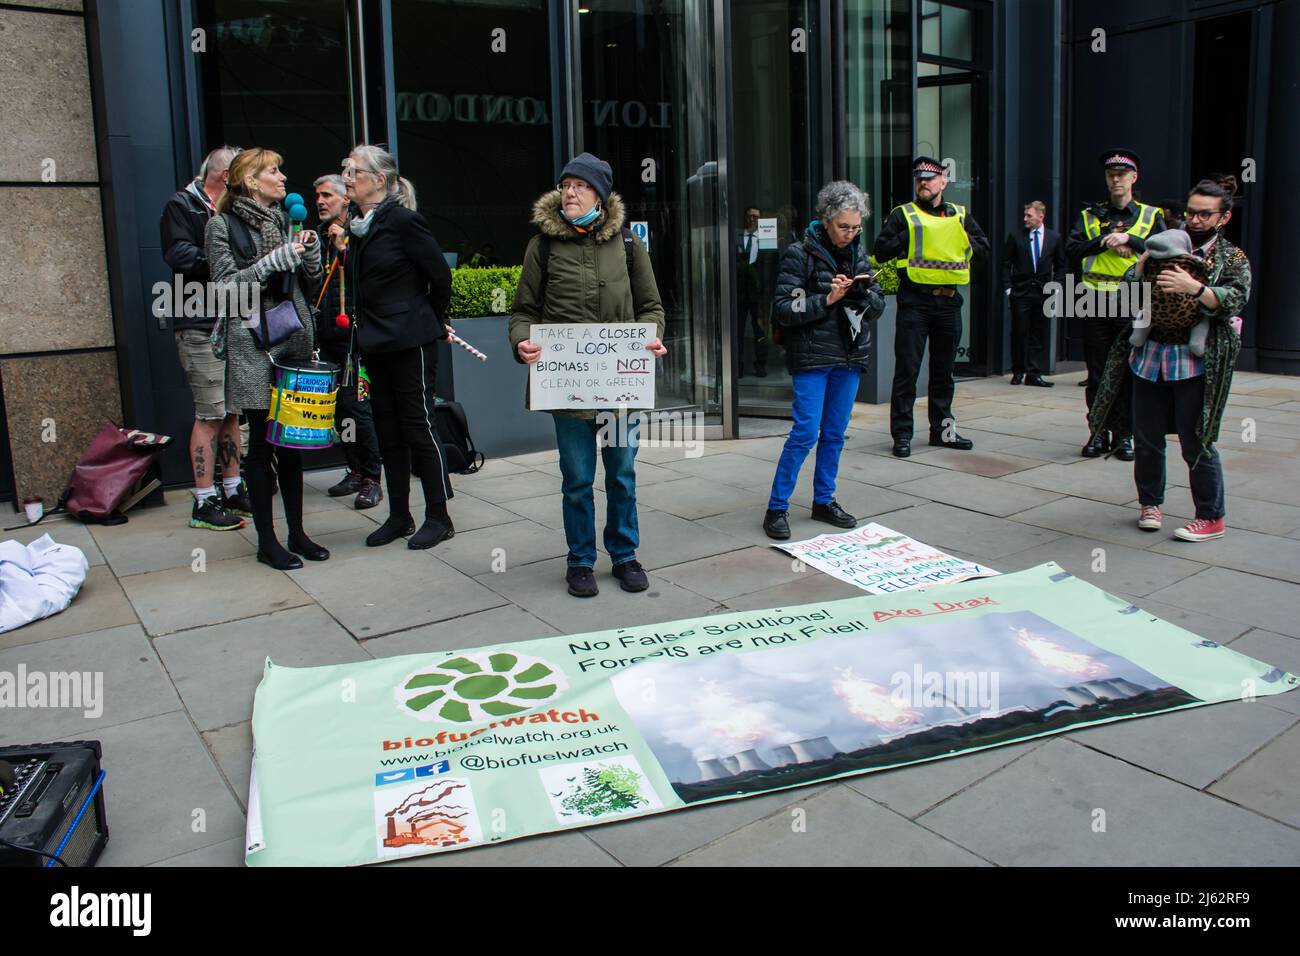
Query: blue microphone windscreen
(298, 212)
(293, 199)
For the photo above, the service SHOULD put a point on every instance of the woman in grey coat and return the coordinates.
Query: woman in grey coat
(253, 195)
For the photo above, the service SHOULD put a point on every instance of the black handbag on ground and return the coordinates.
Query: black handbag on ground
(453, 429)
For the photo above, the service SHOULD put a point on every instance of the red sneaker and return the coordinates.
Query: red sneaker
(1149, 519)
(1202, 529)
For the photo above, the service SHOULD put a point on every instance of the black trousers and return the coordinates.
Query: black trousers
(262, 465)
(1098, 337)
(362, 452)
(1029, 334)
(1156, 407)
(402, 397)
(935, 319)
(751, 317)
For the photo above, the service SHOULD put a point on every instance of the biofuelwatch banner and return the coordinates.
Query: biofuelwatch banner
(425, 753)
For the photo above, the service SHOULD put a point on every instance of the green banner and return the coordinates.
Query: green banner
(360, 763)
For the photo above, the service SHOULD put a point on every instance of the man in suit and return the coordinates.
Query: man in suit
(749, 287)
(1031, 258)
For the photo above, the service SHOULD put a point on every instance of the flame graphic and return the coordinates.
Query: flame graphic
(1054, 657)
(872, 702)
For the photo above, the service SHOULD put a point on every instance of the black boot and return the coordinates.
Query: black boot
(1096, 447)
(832, 513)
(1124, 449)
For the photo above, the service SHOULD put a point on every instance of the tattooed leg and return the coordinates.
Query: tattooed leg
(228, 447)
(203, 446)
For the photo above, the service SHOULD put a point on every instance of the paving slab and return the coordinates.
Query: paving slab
(373, 595)
(548, 510)
(861, 500)
(1093, 519)
(179, 598)
(883, 472)
(1278, 650)
(691, 497)
(667, 539)
(540, 590)
(1097, 478)
(1195, 747)
(332, 521)
(217, 669)
(977, 493)
(501, 546)
(646, 473)
(663, 837)
(226, 853)
(740, 471)
(810, 587)
(1266, 555)
(467, 513)
(841, 828)
(738, 572)
(159, 776)
(913, 790)
(1111, 567)
(99, 604)
(1268, 782)
(498, 625)
(1253, 601)
(232, 748)
(1042, 810)
(162, 538)
(61, 530)
(120, 680)
(1265, 517)
(943, 526)
(989, 464)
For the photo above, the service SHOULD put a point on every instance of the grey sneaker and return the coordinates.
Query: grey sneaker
(631, 576)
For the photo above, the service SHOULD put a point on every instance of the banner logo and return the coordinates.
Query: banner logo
(477, 687)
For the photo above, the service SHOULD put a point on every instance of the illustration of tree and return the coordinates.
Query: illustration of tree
(604, 790)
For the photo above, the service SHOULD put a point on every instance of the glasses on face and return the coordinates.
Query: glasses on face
(847, 230)
(569, 186)
(350, 173)
(1198, 214)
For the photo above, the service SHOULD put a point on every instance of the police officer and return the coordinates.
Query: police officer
(1102, 245)
(933, 241)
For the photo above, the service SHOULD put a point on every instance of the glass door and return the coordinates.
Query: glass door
(650, 109)
(777, 168)
(952, 125)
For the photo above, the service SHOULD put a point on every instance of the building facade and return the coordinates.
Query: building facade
(706, 110)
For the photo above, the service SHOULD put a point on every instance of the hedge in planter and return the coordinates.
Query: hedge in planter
(483, 291)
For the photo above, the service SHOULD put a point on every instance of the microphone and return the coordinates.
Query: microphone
(297, 210)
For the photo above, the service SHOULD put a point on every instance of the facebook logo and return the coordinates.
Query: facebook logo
(433, 769)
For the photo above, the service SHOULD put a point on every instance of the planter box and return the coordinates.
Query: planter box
(492, 392)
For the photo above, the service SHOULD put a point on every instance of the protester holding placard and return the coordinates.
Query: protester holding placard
(586, 266)
(826, 299)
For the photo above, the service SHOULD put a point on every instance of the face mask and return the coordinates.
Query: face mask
(1200, 237)
(586, 219)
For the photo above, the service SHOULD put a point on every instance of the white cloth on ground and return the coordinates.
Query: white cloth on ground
(38, 579)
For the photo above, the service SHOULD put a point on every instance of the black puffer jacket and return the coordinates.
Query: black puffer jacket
(816, 336)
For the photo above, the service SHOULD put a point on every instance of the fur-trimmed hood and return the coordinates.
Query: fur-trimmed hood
(549, 218)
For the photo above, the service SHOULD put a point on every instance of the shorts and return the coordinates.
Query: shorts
(205, 372)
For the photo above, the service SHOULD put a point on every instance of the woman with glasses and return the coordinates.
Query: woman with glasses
(1181, 379)
(826, 299)
(401, 289)
(251, 219)
(595, 271)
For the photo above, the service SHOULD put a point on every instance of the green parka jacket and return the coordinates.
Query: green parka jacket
(587, 280)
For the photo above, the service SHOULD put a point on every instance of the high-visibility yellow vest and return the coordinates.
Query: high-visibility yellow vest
(1103, 271)
(938, 249)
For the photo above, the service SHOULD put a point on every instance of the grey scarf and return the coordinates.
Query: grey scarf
(268, 221)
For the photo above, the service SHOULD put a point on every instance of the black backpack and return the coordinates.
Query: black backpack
(453, 429)
(544, 257)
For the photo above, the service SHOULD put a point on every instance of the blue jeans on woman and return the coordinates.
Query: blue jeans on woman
(577, 439)
(823, 404)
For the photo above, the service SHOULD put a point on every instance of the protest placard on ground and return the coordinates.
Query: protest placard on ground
(588, 365)
(881, 560)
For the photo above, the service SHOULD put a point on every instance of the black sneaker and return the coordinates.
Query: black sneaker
(631, 576)
(776, 525)
(902, 447)
(239, 503)
(369, 495)
(390, 531)
(956, 441)
(582, 583)
(209, 514)
(832, 513)
(349, 485)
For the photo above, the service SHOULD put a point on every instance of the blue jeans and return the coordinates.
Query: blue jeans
(823, 403)
(577, 439)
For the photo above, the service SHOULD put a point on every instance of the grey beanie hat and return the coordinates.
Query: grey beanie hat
(1169, 244)
(594, 170)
